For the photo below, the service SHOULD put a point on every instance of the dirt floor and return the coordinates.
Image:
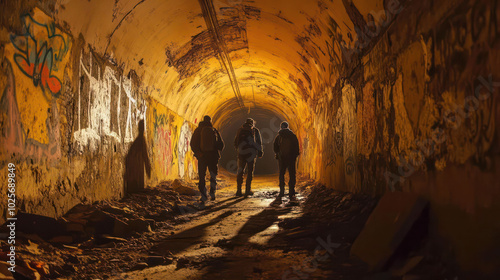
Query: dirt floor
(259, 237)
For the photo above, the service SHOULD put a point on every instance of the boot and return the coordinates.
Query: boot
(248, 192)
(238, 191)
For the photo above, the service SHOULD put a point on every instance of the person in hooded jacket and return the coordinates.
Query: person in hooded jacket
(206, 144)
(248, 143)
(286, 148)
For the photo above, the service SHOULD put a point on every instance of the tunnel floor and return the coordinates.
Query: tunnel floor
(241, 238)
(259, 237)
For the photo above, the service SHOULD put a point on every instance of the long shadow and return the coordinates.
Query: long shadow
(212, 209)
(136, 161)
(230, 265)
(259, 222)
(182, 240)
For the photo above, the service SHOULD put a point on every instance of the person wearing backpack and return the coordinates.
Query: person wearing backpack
(206, 144)
(286, 148)
(248, 143)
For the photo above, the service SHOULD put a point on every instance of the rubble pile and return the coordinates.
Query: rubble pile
(339, 214)
(101, 239)
(327, 205)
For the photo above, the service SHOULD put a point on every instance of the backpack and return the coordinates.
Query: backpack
(286, 146)
(248, 138)
(208, 139)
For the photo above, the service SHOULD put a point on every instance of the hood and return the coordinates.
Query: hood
(204, 123)
(247, 126)
(285, 131)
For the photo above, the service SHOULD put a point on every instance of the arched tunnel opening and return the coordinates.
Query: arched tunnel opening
(393, 107)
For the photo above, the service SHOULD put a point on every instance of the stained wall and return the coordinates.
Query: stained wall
(69, 116)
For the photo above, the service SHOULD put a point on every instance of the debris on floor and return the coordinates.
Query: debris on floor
(98, 240)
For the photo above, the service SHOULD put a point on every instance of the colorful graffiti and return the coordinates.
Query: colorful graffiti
(40, 50)
(163, 149)
(163, 140)
(170, 137)
(16, 141)
(183, 146)
(39, 57)
(100, 106)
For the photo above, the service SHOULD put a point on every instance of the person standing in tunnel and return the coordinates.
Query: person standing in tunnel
(286, 148)
(248, 143)
(206, 144)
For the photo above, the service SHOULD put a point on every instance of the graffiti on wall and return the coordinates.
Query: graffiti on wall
(346, 125)
(40, 52)
(107, 106)
(162, 140)
(460, 60)
(15, 138)
(459, 45)
(39, 58)
(34, 63)
(170, 137)
(183, 147)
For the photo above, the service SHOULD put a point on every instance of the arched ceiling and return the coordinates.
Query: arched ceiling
(285, 53)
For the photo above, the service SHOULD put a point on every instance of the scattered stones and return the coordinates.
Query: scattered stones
(94, 241)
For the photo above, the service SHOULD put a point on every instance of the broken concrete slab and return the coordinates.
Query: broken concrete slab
(182, 188)
(5, 274)
(387, 226)
(42, 226)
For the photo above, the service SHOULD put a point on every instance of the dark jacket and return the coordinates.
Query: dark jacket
(196, 143)
(246, 145)
(295, 143)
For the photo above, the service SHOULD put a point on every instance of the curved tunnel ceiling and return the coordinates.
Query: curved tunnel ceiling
(285, 53)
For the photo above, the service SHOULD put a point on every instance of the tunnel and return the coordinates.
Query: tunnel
(394, 104)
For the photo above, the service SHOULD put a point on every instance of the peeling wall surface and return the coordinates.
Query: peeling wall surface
(385, 95)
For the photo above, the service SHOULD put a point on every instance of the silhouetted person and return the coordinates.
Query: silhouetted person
(286, 148)
(206, 143)
(248, 143)
(137, 159)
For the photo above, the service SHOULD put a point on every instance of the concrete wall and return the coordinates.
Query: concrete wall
(69, 116)
(417, 110)
(409, 101)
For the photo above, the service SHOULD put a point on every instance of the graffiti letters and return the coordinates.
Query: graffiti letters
(183, 146)
(40, 50)
(100, 106)
(163, 140)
